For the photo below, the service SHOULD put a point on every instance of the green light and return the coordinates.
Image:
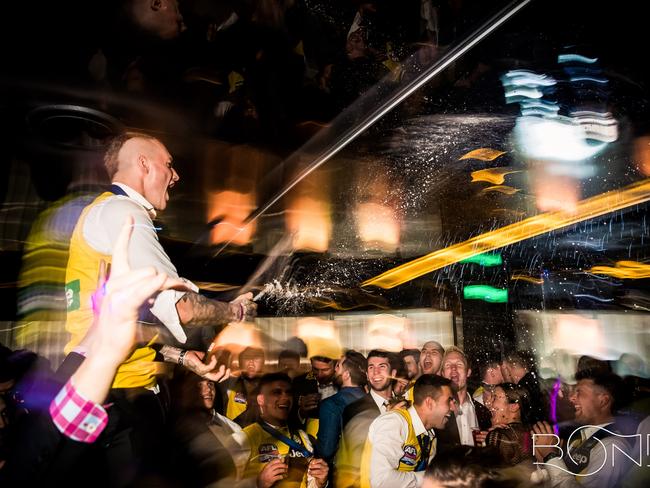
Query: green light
(486, 293)
(485, 259)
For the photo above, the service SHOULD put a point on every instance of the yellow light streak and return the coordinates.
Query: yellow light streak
(496, 176)
(505, 189)
(483, 154)
(528, 278)
(589, 208)
(629, 270)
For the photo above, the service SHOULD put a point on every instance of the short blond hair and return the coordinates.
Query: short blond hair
(457, 350)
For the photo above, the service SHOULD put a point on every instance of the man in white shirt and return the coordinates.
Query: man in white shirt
(469, 415)
(142, 173)
(596, 453)
(401, 443)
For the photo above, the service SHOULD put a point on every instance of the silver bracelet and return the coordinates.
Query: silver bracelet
(181, 357)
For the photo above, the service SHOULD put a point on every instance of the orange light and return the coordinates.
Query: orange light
(232, 208)
(496, 176)
(308, 219)
(483, 154)
(629, 270)
(388, 332)
(528, 278)
(604, 203)
(378, 226)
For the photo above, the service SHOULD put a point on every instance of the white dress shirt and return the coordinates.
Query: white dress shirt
(387, 435)
(101, 228)
(611, 472)
(466, 421)
(379, 400)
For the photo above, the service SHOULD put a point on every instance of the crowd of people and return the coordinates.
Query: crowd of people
(412, 418)
(133, 405)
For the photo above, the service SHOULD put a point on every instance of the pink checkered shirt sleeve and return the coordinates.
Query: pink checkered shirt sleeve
(75, 417)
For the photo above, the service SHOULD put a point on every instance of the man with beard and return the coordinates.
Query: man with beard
(279, 454)
(236, 392)
(350, 377)
(402, 443)
(585, 460)
(469, 415)
(311, 388)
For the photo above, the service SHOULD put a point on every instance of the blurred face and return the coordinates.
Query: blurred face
(411, 366)
(430, 358)
(160, 18)
(323, 371)
(339, 372)
(588, 399)
(439, 409)
(288, 365)
(275, 400)
(454, 369)
(493, 376)
(207, 392)
(379, 373)
(488, 395)
(505, 372)
(251, 365)
(160, 175)
(500, 408)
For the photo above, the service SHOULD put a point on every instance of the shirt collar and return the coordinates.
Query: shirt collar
(134, 195)
(418, 426)
(379, 400)
(587, 432)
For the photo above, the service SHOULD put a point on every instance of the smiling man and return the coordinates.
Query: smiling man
(470, 415)
(592, 455)
(401, 443)
(279, 455)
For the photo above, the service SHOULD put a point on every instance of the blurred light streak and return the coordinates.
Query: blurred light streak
(487, 259)
(496, 176)
(388, 332)
(369, 118)
(580, 335)
(210, 286)
(642, 154)
(308, 220)
(231, 208)
(554, 192)
(378, 226)
(320, 336)
(506, 190)
(529, 279)
(602, 204)
(628, 270)
(486, 293)
(483, 154)
(236, 337)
